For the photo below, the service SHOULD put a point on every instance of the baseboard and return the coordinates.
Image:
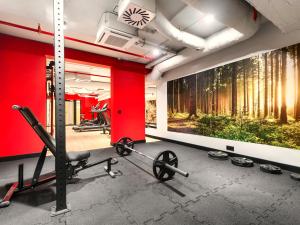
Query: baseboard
(291, 168)
(136, 142)
(17, 157)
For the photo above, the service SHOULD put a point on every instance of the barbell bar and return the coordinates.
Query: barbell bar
(164, 164)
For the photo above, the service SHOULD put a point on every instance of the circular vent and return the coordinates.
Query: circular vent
(136, 17)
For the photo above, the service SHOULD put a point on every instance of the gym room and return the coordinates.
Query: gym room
(150, 112)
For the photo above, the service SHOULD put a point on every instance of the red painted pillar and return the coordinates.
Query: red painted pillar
(127, 104)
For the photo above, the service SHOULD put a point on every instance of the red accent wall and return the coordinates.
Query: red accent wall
(22, 78)
(86, 106)
(128, 104)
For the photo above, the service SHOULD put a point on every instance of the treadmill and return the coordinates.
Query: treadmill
(94, 125)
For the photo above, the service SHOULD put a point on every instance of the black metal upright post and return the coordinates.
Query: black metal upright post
(60, 132)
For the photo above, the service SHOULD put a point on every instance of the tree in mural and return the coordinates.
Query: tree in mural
(283, 113)
(256, 99)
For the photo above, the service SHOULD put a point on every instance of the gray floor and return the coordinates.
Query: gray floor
(216, 192)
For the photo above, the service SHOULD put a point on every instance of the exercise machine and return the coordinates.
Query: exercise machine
(75, 161)
(94, 125)
(164, 164)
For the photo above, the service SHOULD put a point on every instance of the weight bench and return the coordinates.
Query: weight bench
(75, 161)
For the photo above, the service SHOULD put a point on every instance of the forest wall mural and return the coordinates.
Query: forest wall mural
(150, 97)
(253, 100)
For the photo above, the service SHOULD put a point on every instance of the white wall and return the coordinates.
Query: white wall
(267, 38)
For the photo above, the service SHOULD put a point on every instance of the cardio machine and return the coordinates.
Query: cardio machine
(93, 125)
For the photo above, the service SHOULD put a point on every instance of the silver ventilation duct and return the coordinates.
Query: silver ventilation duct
(235, 14)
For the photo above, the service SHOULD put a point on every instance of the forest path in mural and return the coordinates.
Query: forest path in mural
(182, 124)
(254, 100)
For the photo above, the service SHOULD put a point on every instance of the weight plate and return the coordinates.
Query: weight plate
(268, 168)
(121, 146)
(159, 170)
(241, 161)
(218, 155)
(295, 176)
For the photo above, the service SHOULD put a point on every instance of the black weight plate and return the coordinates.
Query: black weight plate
(120, 146)
(159, 170)
(218, 155)
(295, 176)
(268, 168)
(241, 161)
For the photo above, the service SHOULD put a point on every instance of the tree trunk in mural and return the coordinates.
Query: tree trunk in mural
(217, 91)
(192, 97)
(283, 114)
(266, 86)
(253, 94)
(234, 90)
(178, 96)
(272, 84)
(258, 87)
(213, 108)
(276, 109)
(244, 88)
(247, 88)
(298, 85)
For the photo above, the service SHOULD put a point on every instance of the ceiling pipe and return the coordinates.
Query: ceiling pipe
(232, 13)
(238, 31)
(40, 31)
(167, 29)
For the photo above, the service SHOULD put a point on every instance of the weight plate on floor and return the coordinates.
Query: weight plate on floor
(120, 146)
(241, 161)
(159, 170)
(295, 176)
(218, 155)
(268, 168)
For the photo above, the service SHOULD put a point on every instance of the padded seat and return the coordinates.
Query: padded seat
(78, 156)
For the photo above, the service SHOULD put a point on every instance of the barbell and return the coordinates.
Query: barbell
(164, 164)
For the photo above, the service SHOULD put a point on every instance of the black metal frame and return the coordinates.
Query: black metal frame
(71, 170)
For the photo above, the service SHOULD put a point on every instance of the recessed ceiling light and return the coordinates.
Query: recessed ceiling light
(209, 18)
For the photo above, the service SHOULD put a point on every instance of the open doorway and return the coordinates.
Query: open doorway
(87, 105)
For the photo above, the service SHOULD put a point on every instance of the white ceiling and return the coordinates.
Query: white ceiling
(80, 80)
(285, 14)
(83, 16)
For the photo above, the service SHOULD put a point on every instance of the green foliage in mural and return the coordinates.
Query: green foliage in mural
(253, 100)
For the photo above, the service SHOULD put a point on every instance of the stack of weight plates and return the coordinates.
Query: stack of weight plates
(268, 168)
(295, 176)
(241, 161)
(218, 155)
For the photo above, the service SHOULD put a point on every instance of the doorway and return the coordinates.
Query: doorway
(87, 105)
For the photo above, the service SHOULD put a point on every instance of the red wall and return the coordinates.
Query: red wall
(86, 106)
(128, 104)
(22, 79)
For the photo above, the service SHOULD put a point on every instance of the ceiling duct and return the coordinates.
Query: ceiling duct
(166, 28)
(136, 13)
(235, 14)
(113, 33)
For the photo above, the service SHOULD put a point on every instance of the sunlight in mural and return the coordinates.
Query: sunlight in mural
(254, 100)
